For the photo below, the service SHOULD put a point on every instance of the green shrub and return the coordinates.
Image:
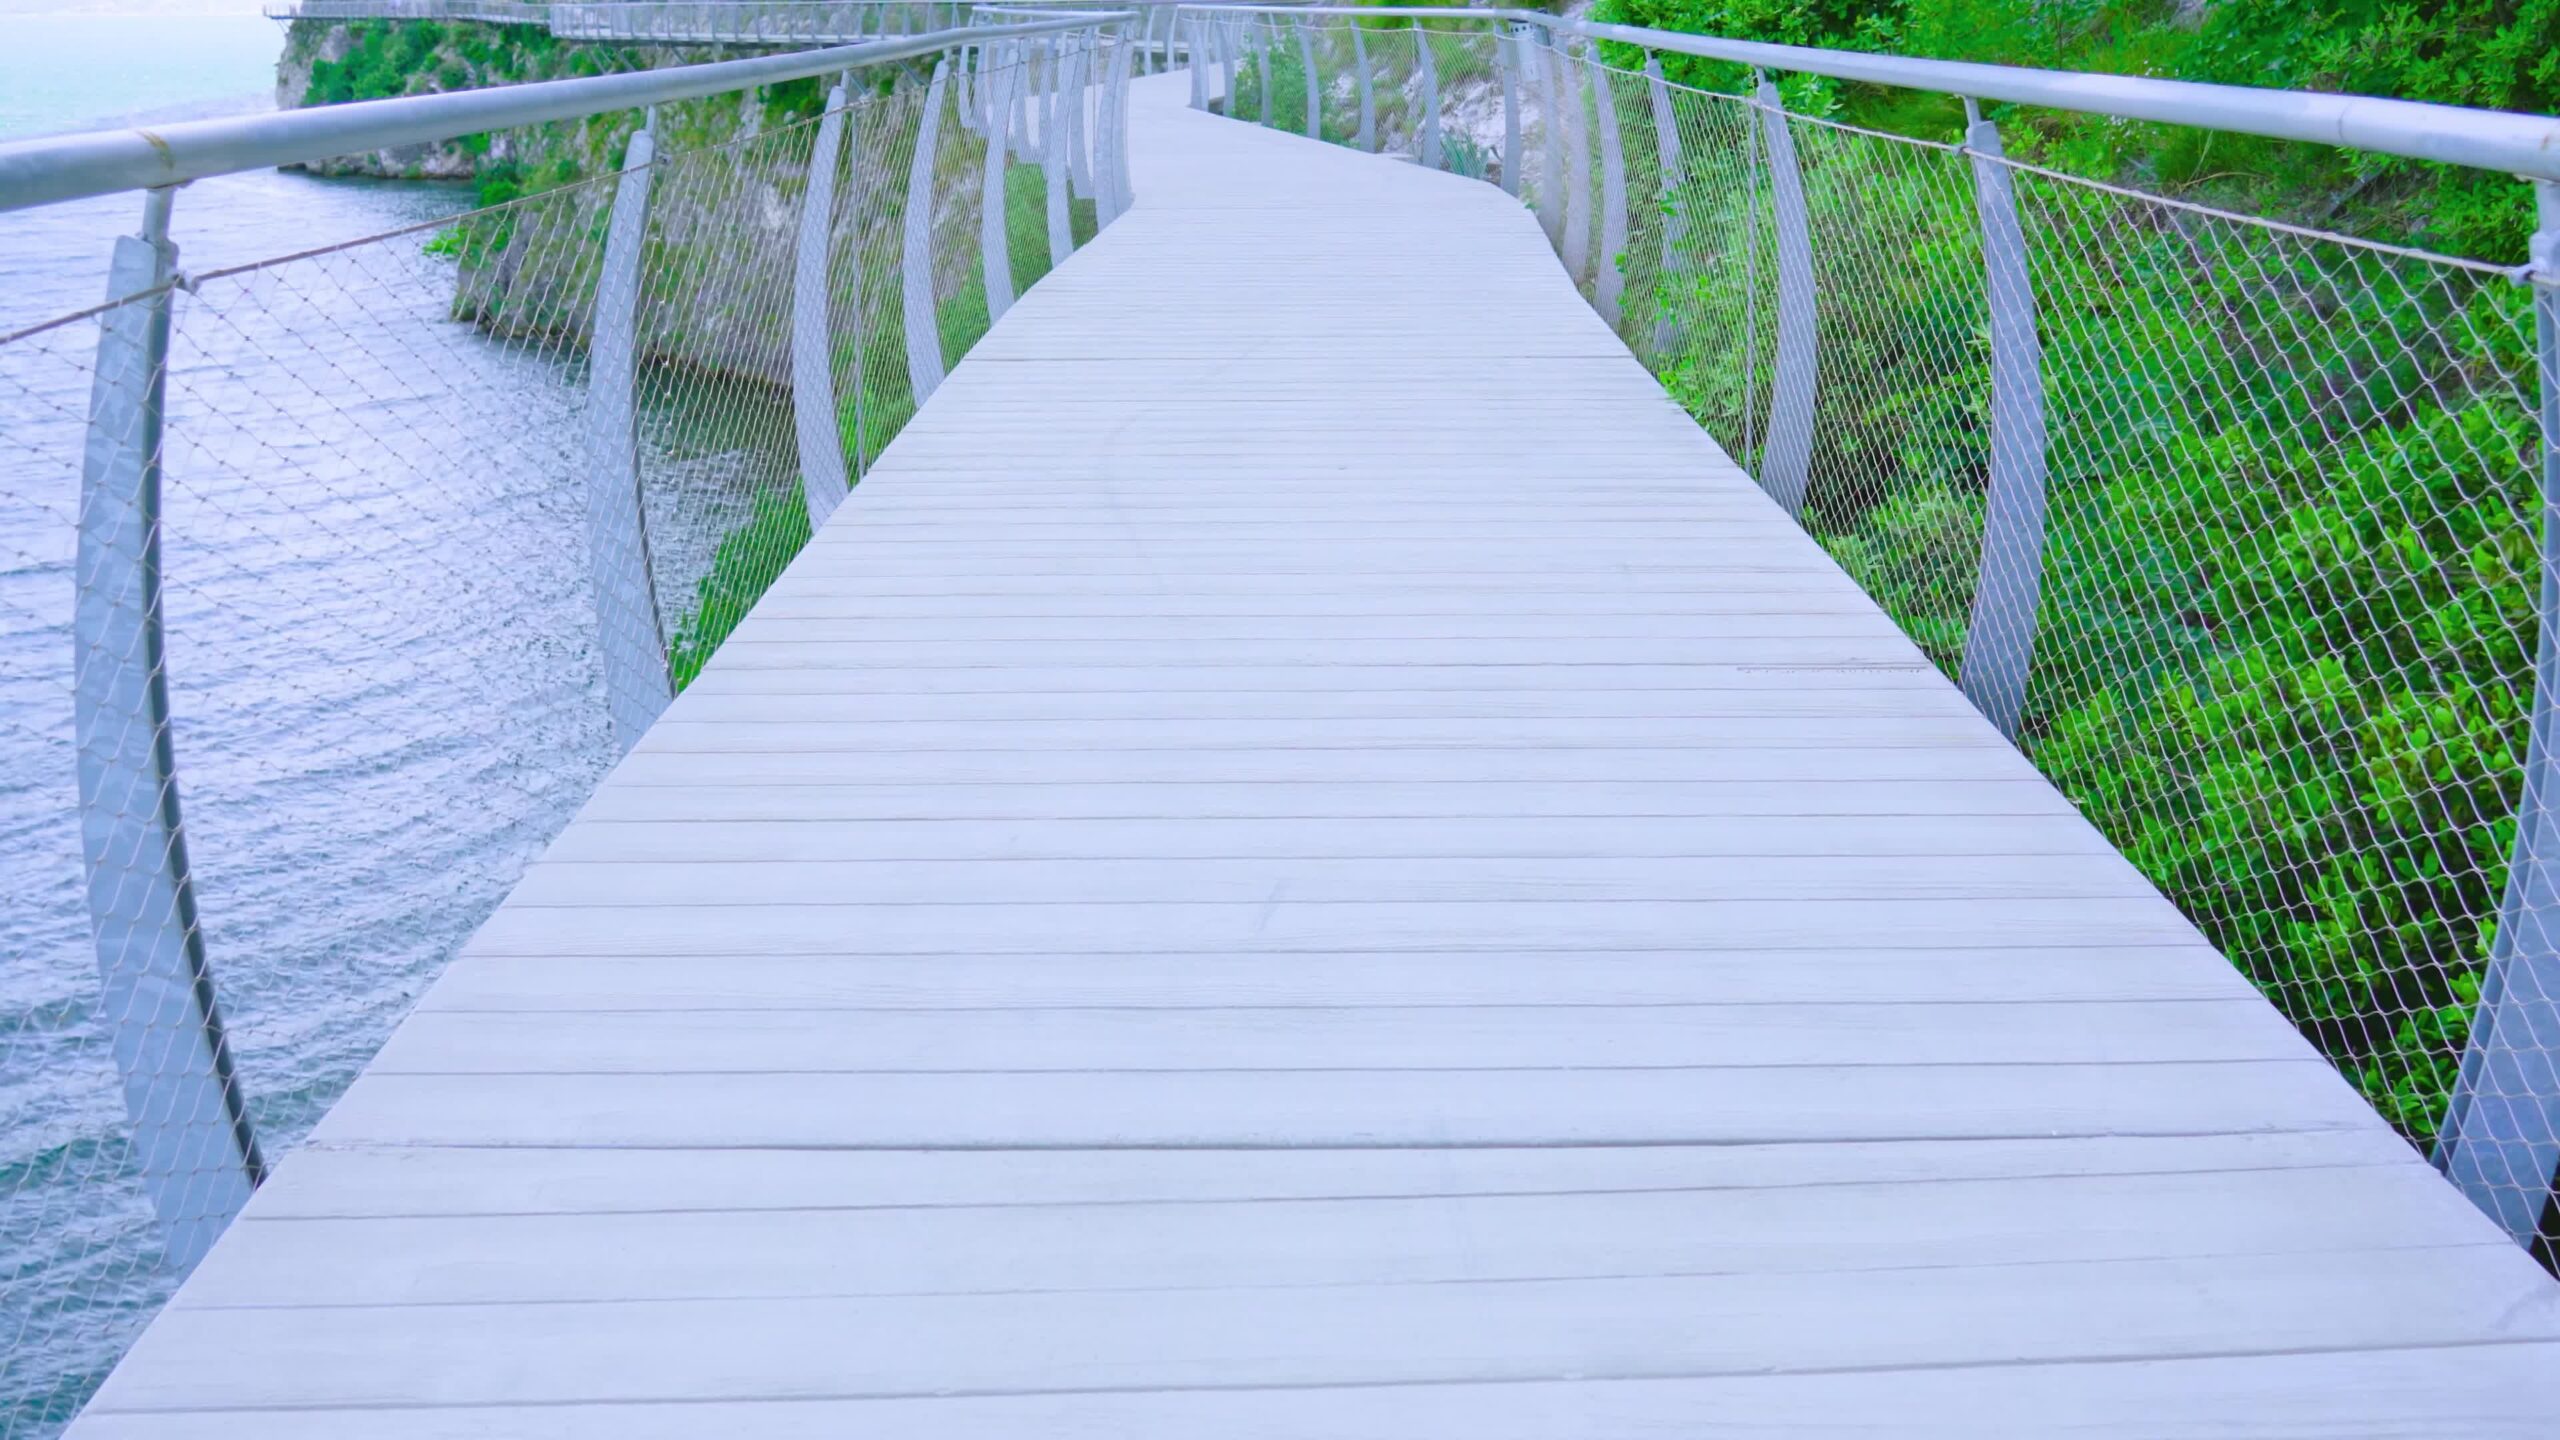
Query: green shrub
(2291, 565)
(2499, 54)
(749, 559)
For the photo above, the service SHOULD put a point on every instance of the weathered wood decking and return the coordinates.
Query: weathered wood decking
(1307, 859)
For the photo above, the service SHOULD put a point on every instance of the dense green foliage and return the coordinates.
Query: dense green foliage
(2287, 619)
(381, 59)
(2502, 54)
(388, 58)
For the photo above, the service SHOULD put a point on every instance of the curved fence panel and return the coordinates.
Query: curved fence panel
(333, 581)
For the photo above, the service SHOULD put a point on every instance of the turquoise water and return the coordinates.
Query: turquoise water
(76, 72)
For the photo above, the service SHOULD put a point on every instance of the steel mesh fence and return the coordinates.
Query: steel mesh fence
(1900, 433)
(745, 23)
(307, 631)
(2255, 514)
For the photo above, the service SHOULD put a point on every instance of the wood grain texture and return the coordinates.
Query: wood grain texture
(1305, 859)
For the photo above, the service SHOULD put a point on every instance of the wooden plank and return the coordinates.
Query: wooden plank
(1363, 1334)
(1420, 679)
(1314, 708)
(1517, 837)
(782, 800)
(1324, 881)
(891, 1251)
(2480, 1392)
(897, 653)
(763, 630)
(455, 1041)
(1353, 976)
(353, 1182)
(1275, 927)
(1486, 765)
(1286, 1108)
(1795, 732)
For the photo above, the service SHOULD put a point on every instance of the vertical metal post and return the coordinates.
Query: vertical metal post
(1030, 85)
(1427, 144)
(1199, 71)
(1125, 190)
(1756, 159)
(1788, 462)
(635, 648)
(982, 90)
(2000, 641)
(1018, 91)
(1315, 92)
(1053, 157)
(1674, 167)
(995, 257)
(1110, 176)
(1080, 120)
(1262, 66)
(1550, 141)
(1368, 137)
(1105, 193)
(813, 392)
(1577, 165)
(1227, 29)
(2501, 1137)
(1099, 160)
(922, 321)
(1507, 49)
(192, 1142)
(1608, 283)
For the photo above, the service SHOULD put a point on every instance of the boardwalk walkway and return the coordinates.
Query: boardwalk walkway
(1335, 872)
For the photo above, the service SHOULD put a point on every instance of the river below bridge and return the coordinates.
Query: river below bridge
(382, 674)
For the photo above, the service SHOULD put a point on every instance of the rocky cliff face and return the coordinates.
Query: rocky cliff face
(724, 204)
(330, 62)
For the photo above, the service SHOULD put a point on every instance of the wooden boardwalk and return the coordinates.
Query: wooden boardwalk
(1307, 859)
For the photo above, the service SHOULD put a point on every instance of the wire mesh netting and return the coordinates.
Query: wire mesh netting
(320, 594)
(2291, 537)
(779, 24)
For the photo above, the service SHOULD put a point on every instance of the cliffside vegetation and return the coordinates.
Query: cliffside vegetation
(716, 300)
(2288, 611)
(2497, 54)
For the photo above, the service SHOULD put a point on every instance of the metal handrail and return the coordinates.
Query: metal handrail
(2527, 146)
(73, 167)
(486, 12)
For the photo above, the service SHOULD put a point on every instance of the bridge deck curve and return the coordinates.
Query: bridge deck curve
(1306, 858)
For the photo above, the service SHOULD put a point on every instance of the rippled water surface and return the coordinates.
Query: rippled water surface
(385, 697)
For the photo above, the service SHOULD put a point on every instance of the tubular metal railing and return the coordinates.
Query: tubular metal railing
(2243, 531)
(513, 469)
(758, 23)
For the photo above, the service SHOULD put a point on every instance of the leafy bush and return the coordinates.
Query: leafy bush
(747, 562)
(2291, 568)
